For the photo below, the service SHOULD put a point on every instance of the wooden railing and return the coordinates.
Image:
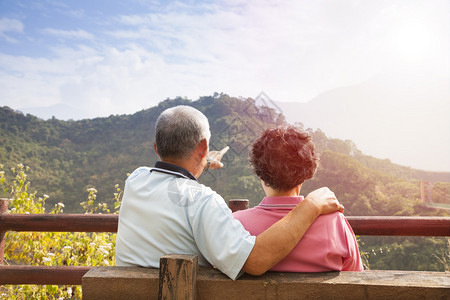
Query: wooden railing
(367, 225)
(364, 225)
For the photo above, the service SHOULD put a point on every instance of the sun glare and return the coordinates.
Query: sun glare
(413, 41)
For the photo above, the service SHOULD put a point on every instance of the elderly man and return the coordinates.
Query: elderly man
(165, 210)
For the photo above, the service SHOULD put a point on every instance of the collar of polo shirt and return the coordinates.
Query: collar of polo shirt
(165, 167)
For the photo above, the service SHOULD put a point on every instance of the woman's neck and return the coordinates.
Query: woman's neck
(270, 192)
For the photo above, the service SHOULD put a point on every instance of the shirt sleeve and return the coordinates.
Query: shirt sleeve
(353, 261)
(221, 239)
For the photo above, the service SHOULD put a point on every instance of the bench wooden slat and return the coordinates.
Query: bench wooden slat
(142, 283)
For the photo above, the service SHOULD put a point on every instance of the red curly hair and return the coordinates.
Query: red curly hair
(283, 157)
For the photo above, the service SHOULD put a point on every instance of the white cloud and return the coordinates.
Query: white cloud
(26, 81)
(236, 48)
(12, 26)
(292, 50)
(133, 20)
(69, 34)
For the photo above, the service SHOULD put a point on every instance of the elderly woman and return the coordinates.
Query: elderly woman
(283, 158)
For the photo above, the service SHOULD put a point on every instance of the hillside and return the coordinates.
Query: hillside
(67, 157)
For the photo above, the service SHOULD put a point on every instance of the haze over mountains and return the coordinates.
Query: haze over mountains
(406, 122)
(401, 117)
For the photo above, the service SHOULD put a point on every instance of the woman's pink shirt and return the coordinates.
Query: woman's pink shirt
(328, 245)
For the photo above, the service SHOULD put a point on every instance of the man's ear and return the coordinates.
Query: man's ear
(202, 148)
(154, 147)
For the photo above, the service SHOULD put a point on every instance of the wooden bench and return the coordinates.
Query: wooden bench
(180, 278)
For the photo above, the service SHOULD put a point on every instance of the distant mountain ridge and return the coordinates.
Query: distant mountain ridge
(386, 118)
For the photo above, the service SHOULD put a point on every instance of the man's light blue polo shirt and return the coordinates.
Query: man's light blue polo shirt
(166, 211)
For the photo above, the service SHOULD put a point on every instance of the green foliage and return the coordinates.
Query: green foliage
(69, 158)
(51, 248)
(444, 257)
(407, 253)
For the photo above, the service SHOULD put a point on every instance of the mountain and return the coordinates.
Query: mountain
(387, 117)
(67, 157)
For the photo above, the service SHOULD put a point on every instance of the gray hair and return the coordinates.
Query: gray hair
(179, 130)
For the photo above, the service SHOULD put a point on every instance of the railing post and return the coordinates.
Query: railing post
(238, 204)
(3, 209)
(178, 277)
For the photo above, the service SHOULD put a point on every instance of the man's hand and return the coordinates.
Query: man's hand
(325, 201)
(215, 156)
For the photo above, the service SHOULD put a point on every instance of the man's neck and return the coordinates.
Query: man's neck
(189, 164)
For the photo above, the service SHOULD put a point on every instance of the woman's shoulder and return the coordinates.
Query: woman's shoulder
(335, 217)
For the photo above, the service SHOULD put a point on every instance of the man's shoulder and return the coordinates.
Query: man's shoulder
(177, 184)
(138, 171)
(197, 187)
(185, 189)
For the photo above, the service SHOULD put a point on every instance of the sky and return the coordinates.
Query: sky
(103, 57)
